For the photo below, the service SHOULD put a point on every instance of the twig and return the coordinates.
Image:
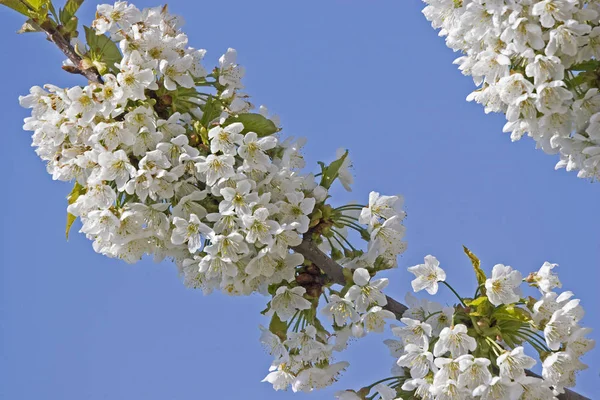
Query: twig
(55, 37)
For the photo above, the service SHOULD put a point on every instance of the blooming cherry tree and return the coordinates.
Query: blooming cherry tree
(168, 159)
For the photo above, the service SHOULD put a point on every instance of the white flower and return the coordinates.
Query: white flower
(474, 371)
(454, 340)
(427, 275)
(216, 167)
(116, 167)
(499, 389)
(340, 310)
(238, 199)
(380, 207)
(374, 319)
(501, 287)
(366, 293)
(385, 392)
(388, 236)
(557, 366)
(448, 369)
(344, 174)
(418, 359)
(279, 377)
(83, 105)
(177, 72)
(545, 279)
(287, 301)
(514, 363)
(415, 332)
(253, 150)
(296, 210)
(450, 390)
(226, 139)
(346, 395)
(190, 232)
(134, 80)
(259, 228)
(230, 74)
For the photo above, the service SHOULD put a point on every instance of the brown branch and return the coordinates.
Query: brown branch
(63, 44)
(308, 248)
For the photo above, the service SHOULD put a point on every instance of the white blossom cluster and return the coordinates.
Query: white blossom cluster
(447, 353)
(536, 62)
(302, 358)
(158, 174)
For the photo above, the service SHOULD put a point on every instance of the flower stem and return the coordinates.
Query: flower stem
(454, 291)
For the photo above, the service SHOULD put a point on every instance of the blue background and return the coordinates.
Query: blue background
(371, 76)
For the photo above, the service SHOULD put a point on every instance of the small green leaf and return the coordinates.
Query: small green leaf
(69, 10)
(77, 191)
(479, 274)
(330, 173)
(278, 327)
(102, 49)
(482, 306)
(254, 123)
(590, 65)
(511, 313)
(212, 110)
(16, 5)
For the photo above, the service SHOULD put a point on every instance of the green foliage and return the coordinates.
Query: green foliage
(102, 51)
(330, 172)
(17, 5)
(77, 191)
(481, 307)
(212, 110)
(590, 65)
(278, 327)
(256, 123)
(67, 15)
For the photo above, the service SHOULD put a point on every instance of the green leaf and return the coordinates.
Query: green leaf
(212, 110)
(278, 327)
(479, 274)
(16, 5)
(69, 10)
(77, 191)
(482, 306)
(67, 15)
(30, 26)
(330, 173)
(590, 65)
(254, 123)
(102, 49)
(511, 313)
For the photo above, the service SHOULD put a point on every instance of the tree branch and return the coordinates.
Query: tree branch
(308, 248)
(63, 44)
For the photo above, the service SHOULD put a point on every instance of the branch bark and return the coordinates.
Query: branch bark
(63, 44)
(308, 248)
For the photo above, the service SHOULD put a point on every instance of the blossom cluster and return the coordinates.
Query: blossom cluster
(303, 353)
(164, 169)
(536, 62)
(476, 349)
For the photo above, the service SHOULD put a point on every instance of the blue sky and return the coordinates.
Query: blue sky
(368, 75)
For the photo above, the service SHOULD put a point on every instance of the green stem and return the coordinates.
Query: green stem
(381, 381)
(454, 291)
(345, 240)
(431, 315)
(350, 206)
